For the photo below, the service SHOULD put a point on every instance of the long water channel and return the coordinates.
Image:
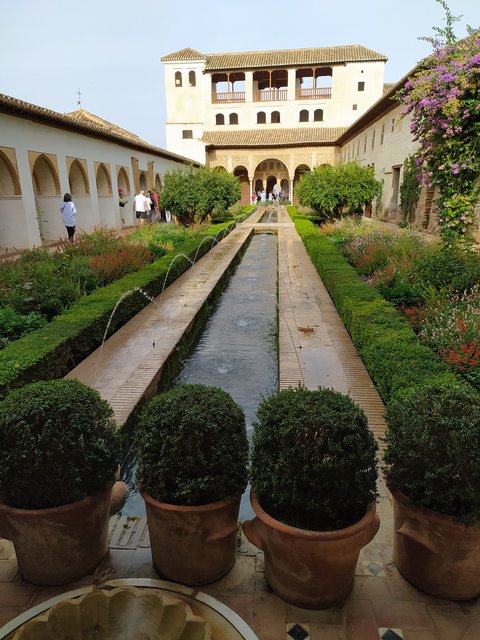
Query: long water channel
(237, 350)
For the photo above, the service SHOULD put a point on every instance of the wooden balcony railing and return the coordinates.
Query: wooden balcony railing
(318, 92)
(230, 96)
(270, 95)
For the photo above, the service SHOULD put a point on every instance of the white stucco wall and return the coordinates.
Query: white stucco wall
(368, 148)
(27, 220)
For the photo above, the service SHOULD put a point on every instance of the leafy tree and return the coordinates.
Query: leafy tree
(193, 194)
(335, 191)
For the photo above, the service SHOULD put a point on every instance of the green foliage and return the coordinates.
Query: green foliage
(193, 194)
(13, 325)
(448, 267)
(313, 459)
(58, 444)
(433, 449)
(331, 191)
(410, 187)
(193, 446)
(53, 350)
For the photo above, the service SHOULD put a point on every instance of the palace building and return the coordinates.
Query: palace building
(268, 116)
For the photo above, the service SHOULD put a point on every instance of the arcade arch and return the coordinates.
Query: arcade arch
(142, 179)
(104, 183)
(270, 172)
(45, 177)
(9, 182)
(77, 179)
(241, 173)
(123, 181)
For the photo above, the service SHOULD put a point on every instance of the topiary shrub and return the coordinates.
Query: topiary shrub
(58, 444)
(313, 459)
(193, 447)
(433, 448)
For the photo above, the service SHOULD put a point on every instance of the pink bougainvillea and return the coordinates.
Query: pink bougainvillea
(443, 99)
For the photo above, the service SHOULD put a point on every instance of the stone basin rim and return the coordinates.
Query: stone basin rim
(171, 588)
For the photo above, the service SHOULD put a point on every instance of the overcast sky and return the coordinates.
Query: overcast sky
(111, 49)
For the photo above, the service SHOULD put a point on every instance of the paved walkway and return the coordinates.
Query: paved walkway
(315, 349)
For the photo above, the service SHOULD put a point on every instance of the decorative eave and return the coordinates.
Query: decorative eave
(88, 125)
(297, 137)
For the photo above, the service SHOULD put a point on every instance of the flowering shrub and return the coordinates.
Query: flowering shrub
(443, 100)
(107, 267)
(450, 325)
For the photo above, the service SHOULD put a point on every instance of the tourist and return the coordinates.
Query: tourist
(263, 196)
(140, 206)
(69, 216)
(254, 198)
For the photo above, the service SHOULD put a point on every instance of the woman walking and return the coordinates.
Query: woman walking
(69, 216)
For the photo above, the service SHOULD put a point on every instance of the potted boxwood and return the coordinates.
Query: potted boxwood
(313, 472)
(432, 468)
(59, 451)
(192, 471)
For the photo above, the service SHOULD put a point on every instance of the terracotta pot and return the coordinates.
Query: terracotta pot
(434, 552)
(310, 569)
(193, 545)
(61, 544)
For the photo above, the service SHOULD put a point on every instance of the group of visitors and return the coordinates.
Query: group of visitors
(273, 196)
(145, 207)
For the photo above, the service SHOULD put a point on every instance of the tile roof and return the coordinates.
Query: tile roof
(183, 54)
(273, 137)
(85, 117)
(388, 86)
(84, 123)
(280, 58)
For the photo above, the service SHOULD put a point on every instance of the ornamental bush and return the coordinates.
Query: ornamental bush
(192, 446)
(313, 459)
(433, 448)
(331, 191)
(58, 444)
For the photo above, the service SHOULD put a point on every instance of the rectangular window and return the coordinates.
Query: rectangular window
(187, 134)
(365, 145)
(373, 139)
(354, 107)
(393, 125)
(382, 134)
(361, 86)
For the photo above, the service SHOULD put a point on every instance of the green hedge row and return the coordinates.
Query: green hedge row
(389, 348)
(53, 350)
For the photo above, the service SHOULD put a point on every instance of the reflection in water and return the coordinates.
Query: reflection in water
(237, 350)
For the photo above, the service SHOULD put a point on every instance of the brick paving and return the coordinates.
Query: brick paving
(315, 349)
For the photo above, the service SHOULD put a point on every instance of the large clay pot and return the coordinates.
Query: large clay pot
(310, 569)
(61, 544)
(434, 552)
(193, 545)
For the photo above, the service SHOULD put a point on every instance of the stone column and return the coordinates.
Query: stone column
(290, 195)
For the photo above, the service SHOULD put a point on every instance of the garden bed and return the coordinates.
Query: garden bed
(54, 349)
(387, 344)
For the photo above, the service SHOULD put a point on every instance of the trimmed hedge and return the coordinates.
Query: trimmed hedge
(388, 346)
(53, 350)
